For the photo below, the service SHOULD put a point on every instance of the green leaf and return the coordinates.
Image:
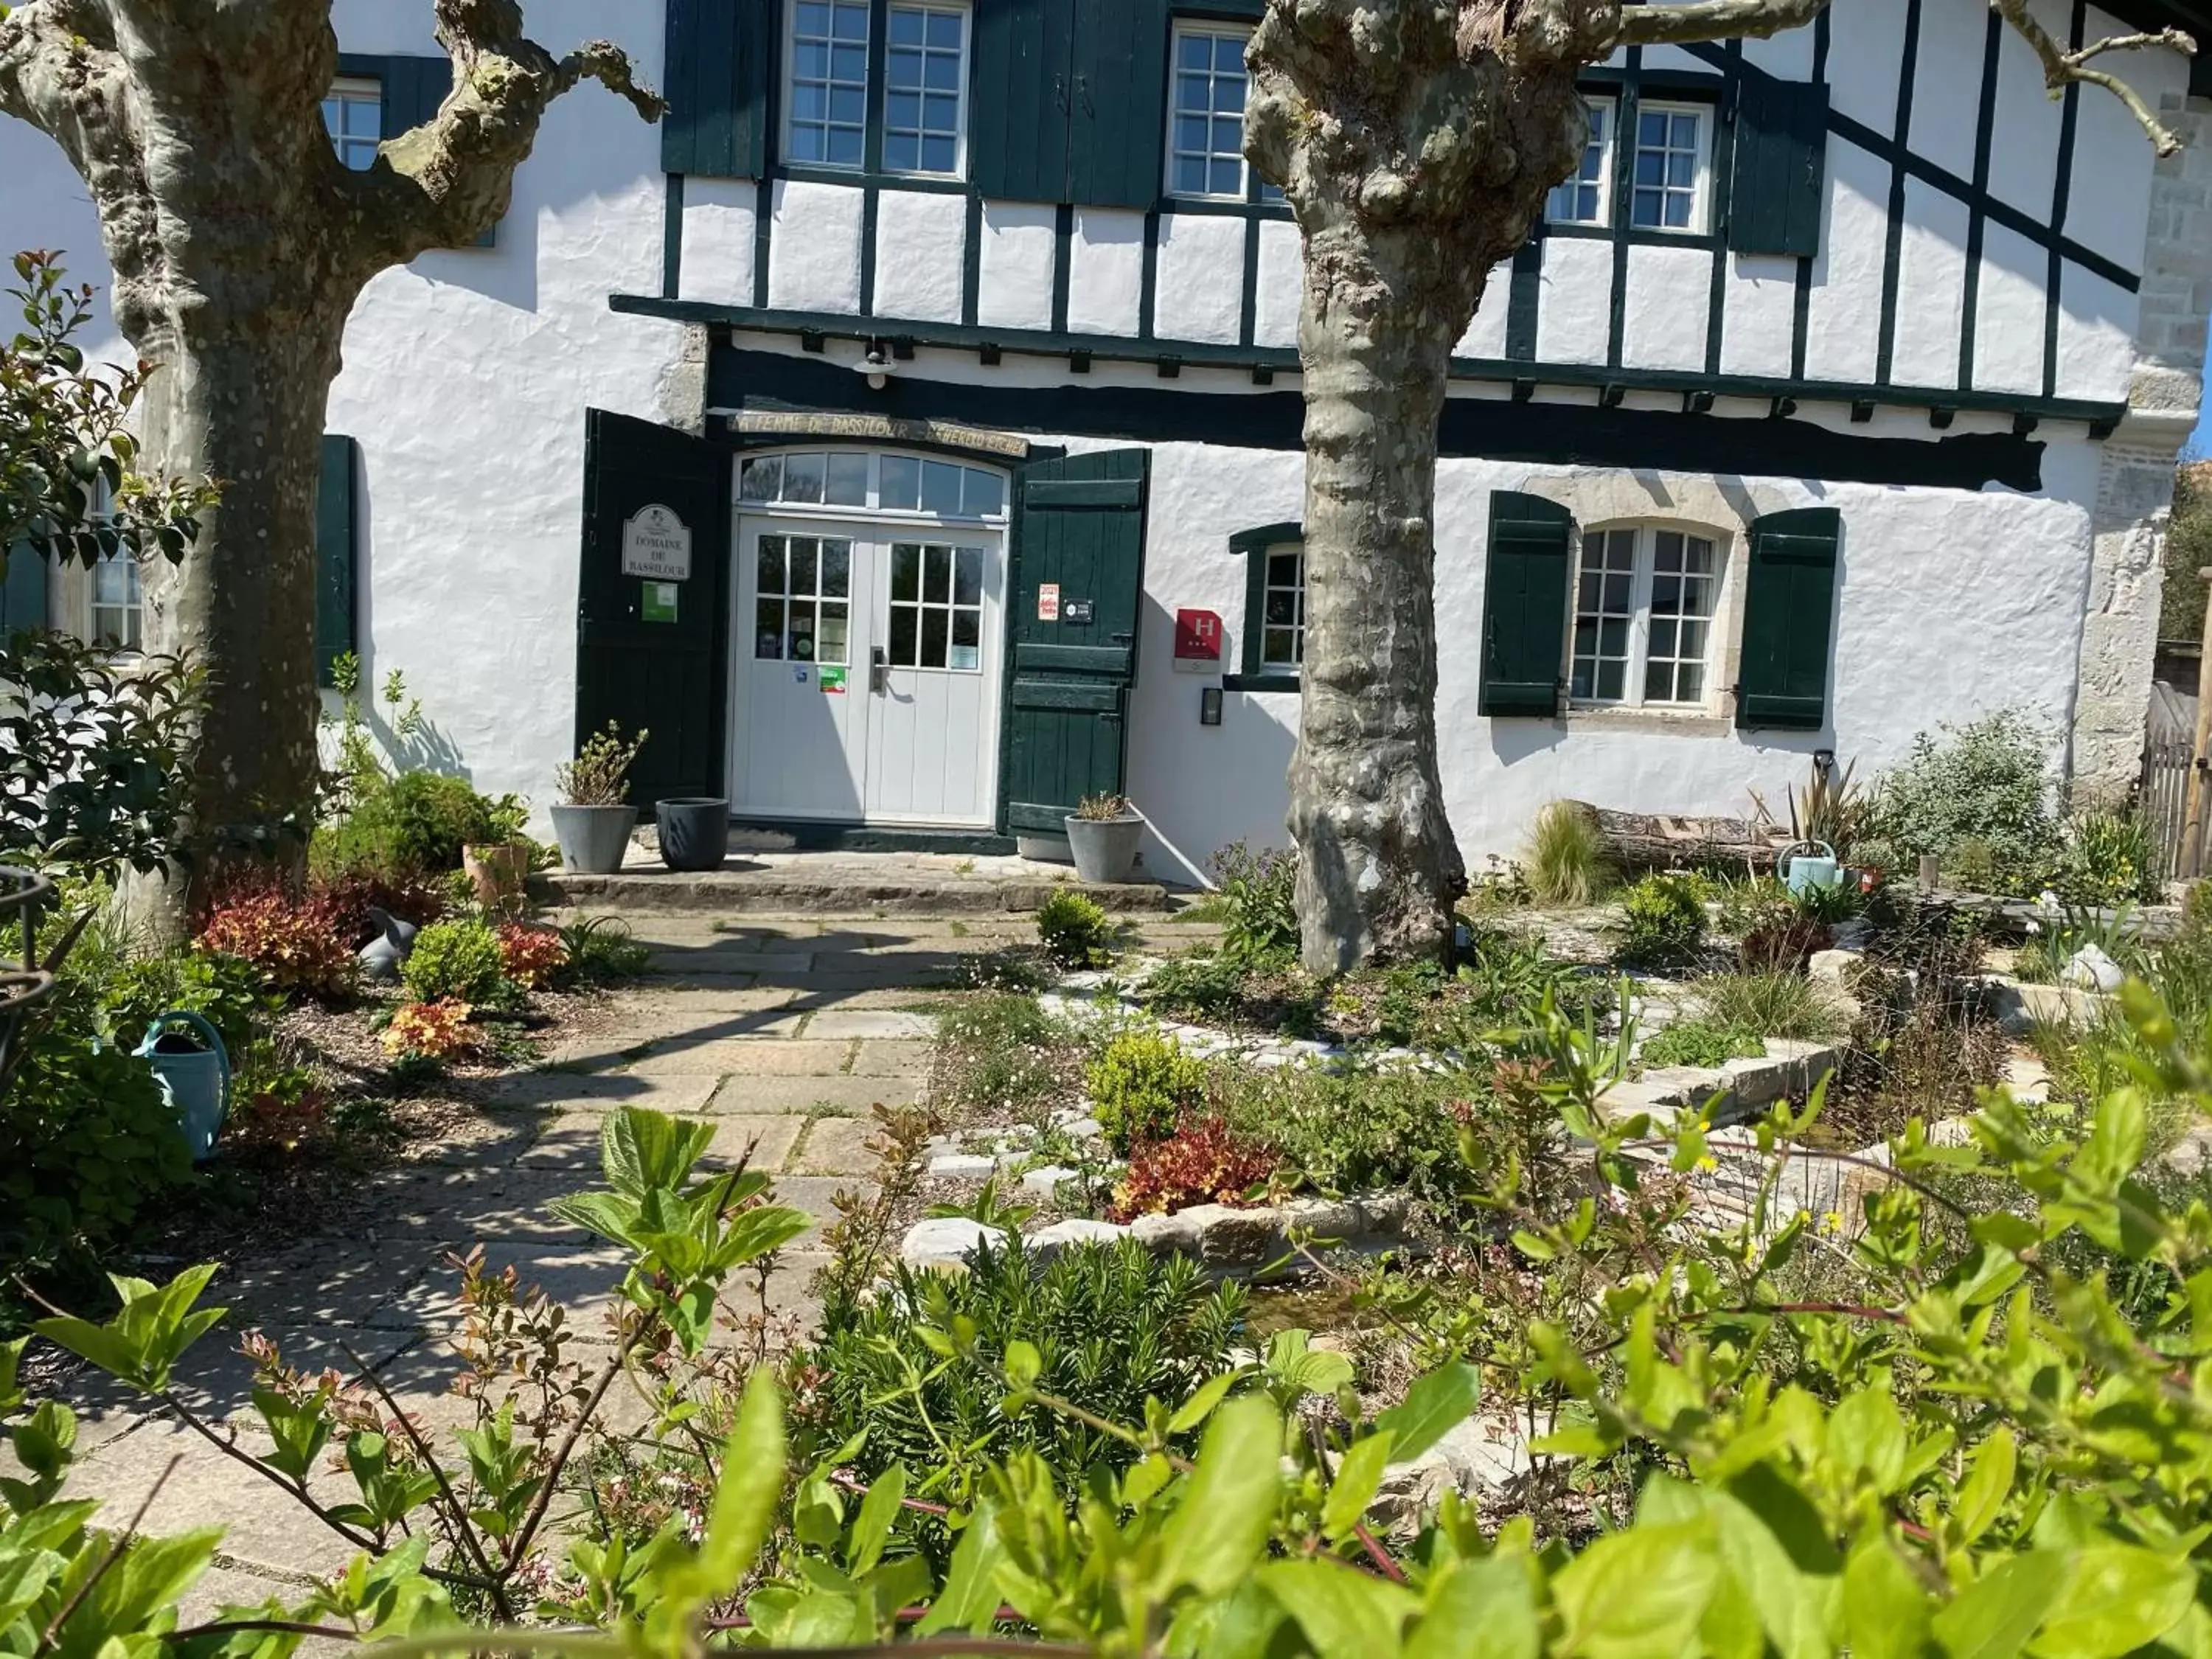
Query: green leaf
(2114, 1145)
(1358, 1477)
(1199, 1407)
(1885, 1606)
(1024, 1365)
(2118, 1598)
(1867, 1436)
(1993, 1617)
(1341, 1609)
(608, 1215)
(1433, 1406)
(751, 1481)
(643, 1150)
(1637, 1593)
(1228, 1507)
(969, 1600)
(1484, 1609)
(1983, 1493)
(871, 1527)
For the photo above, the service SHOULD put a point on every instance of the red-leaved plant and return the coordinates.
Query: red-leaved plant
(430, 1030)
(298, 944)
(1203, 1163)
(531, 956)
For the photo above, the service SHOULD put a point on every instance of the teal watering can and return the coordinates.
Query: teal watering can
(1801, 873)
(196, 1079)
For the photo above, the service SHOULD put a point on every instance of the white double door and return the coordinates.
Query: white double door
(864, 673)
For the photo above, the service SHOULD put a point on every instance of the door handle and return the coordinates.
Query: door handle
(880, 670)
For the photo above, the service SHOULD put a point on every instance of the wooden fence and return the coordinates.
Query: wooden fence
(2163, 799)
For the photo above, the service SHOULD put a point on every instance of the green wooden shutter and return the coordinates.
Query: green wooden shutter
(1788, 599)
(1079, 522)
(337, 555)
(1118, 122)
(1019, 99)
(1778, 184)
(718, 52)
(1524, 604)
(23, 592)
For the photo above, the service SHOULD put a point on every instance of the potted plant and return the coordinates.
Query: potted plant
(499, 865)
(694, 831)
(1104, 832)
(593, 820)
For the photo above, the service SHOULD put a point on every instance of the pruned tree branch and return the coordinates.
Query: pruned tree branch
(1711, 19)
(2061, 68)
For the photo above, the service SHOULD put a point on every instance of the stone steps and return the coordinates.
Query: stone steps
(839, 891)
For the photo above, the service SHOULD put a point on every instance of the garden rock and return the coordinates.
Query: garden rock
(1049, 1241)
(947, 1241)
(1478, 1459)
(1044, 1182)
(1171, 1235)
(961, 1166)
(2090, 969)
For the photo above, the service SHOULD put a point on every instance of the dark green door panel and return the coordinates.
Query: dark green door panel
(1078, 525)
(1788, 606)
(1524, 604)
(666, 678)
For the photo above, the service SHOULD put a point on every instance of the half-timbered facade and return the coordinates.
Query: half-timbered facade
(925, 391)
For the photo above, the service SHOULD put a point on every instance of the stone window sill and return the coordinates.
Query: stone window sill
(1682, 723)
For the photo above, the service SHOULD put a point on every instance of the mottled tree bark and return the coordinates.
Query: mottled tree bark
(239, 244)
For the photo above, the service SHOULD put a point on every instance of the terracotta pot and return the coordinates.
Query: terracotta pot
(501, 871)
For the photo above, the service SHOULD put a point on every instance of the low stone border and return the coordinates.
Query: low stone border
(1789, 1070)
(1232, 1242)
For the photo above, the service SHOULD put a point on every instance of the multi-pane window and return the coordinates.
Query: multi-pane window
(1667, 182)
(1583, 199)
(1643, 608)
(118, 612)
(1283, 608)
(937, 607)
(925, 67)
(828, 123)
(898, 484)
(1206, 124)
(804, 607)
(353, 114)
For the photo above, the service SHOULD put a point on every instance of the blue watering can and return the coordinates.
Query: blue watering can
(196, 1079)
(1801, 873)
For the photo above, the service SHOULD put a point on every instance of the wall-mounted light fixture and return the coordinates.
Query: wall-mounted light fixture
(876, 365)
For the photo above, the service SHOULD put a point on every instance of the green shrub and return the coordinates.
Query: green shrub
(460, 958)
(2109, 860)
(1663, 921)
(1775, 1004)
(1259, 900)
(88, 1145)
(1197, 986)
(1357, 1130)
(224, 990)
(1140, 1084)
(1978, 797)
(1831, 902)
(1112, 1324)
(601, 951)
(414, 824)
(1699, 1042)
(1076, 931)
(1566, 858)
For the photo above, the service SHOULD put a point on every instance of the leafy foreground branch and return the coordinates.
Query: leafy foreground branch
(1983, 1428)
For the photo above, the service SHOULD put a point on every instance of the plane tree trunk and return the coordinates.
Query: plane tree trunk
(239, 244)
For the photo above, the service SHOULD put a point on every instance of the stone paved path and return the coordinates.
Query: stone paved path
(782, 1034)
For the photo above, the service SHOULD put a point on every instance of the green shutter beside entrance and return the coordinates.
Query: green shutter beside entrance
(1788, 600)
(719, 53)
(1524, 604)
(1078, 527)
(337, 557)
(23, 592)
(1778, 186)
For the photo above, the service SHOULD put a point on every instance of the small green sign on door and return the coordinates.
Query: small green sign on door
(660, 602)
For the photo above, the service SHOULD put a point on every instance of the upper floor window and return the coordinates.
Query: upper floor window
(1667, 188)
(925, 71)
(1586, 199)
(353, 114)
(1205, 127)
(1644, 600)
(117, 609)
(828, 103)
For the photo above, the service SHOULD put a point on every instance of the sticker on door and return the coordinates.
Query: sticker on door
(1048, 602)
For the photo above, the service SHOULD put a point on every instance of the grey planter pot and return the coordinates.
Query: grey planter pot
(593, 838)
(695, 833)
(1105, 848)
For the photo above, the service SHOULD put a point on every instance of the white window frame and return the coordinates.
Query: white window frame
(790, 72)
(1192, 29)
(1701, 191)
(967, 17)
(1267, 557)
(1635, 666)
(132, 635)
(355, 89)
(1605, 111)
